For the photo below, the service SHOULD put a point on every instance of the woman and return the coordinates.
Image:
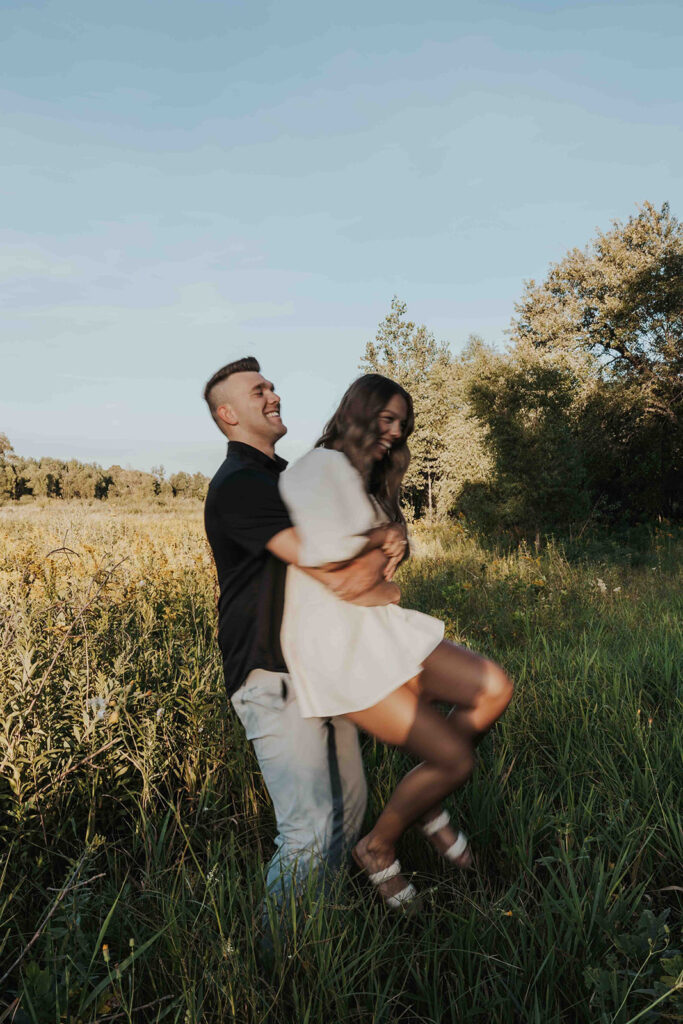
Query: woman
(380, 665)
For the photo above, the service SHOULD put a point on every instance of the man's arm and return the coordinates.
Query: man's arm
(382, 594)
(347, 580)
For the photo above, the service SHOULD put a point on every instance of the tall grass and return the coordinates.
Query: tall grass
(134, 823)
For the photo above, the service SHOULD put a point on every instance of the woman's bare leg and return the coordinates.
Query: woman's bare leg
(403, 719)
(481, 692)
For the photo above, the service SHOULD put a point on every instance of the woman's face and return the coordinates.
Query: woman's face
(392, 424)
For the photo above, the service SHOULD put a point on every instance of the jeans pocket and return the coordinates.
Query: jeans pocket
(259, 704)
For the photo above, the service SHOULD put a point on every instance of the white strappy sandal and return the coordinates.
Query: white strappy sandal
(405, 896)
(459, 852)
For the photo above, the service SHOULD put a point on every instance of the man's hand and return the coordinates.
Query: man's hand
(361, 575)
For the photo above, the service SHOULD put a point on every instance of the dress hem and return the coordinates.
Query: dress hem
(376, 699)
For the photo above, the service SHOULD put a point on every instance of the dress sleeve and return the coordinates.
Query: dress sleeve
(328, 505)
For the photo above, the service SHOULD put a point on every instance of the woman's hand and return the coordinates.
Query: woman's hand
(394, 547)
(391, 539)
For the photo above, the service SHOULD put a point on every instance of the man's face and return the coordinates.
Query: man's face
(255, 406)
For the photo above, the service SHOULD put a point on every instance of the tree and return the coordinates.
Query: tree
(525, 400)
(465, 462)
(618, 303)
(200, 486)
(410, 356)
(52, 478)
(158, 474)
(132, 483)
(44, 477)
(181, 483)
(80, 479)
(7, 471)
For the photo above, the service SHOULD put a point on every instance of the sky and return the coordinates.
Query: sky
(188, 181)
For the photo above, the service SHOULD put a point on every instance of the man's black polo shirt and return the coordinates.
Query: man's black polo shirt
(243, 511)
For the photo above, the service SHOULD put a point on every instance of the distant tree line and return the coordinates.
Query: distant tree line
(581, 417)
(55, 478)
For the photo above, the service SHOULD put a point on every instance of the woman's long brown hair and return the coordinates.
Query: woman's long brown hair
(354, 430)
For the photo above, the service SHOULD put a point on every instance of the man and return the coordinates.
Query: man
(312, 768)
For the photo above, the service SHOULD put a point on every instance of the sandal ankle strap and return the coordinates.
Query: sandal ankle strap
(458, 847)
(385, 874)
(436, 824)
(406, 895)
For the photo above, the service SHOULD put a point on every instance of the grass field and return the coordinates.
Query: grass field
(134, 824)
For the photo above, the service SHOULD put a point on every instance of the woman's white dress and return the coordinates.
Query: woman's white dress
(341, 657)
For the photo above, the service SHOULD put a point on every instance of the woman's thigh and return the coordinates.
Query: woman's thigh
(392, 718)
(403, 719)
(454, 675)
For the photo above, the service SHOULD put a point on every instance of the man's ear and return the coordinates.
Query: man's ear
(227, 415)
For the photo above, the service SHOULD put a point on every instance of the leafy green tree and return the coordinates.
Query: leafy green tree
(617, 305)
(409, 355)
(525, 400)
(465, 462)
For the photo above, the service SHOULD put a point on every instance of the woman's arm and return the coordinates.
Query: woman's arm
(388, 536)
(333, 516)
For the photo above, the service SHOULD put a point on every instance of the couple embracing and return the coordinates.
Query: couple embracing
(314, 641)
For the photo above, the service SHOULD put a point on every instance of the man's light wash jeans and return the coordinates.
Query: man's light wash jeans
(313, 772)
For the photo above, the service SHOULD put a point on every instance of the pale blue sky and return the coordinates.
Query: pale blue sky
(188, 181)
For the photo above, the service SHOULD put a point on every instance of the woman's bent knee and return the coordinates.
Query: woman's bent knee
(497, 685)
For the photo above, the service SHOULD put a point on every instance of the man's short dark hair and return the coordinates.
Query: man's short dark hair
(246, 365)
